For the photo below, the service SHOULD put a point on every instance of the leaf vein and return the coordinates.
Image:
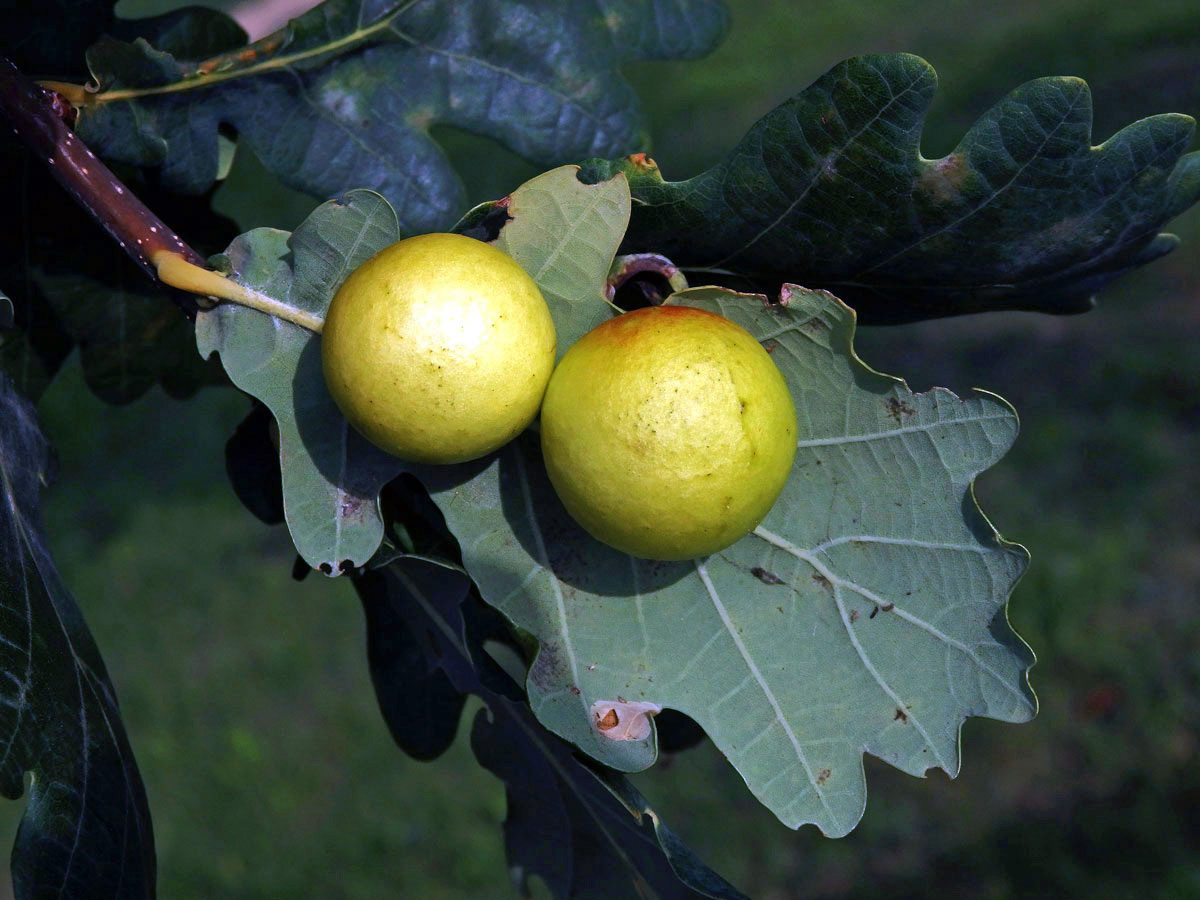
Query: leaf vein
(766, 688)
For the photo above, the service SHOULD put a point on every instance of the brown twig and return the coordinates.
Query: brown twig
(36, 114)
(30, 111)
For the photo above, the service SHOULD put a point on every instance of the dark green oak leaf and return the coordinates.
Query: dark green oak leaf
(345, 95)
(252, 464)
(866, 614)
(584, 830)
(86, 828)
(130, 337)
(419, 701)
(193, 32)
(830, 190)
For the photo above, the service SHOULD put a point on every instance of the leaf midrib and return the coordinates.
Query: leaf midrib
(198, 82)
(766, 689)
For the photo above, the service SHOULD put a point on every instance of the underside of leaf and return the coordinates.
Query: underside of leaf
(331, 474)
(865, 615)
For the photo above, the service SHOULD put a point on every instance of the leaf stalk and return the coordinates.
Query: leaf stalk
(257, 58)
(173, 269)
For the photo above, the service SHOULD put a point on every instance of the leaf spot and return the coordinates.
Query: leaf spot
(944, 179)
(622, 720)
(899, 409)
(343, 104)
(765, 576)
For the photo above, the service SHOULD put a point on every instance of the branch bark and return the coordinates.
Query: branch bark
(36, 114)
(32, 114)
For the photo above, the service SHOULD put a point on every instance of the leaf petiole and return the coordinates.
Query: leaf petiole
(75, 94)
(174, 270)
(257, 58)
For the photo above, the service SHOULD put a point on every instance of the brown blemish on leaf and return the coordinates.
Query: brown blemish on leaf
(268, 45)
(574, 690)
(771, 346)
(901, 716)
(785, 296)
(622, 720)
(943, 181)
(853, 616)
(547, 667)
(823, 776)
(822, 581)
(420, 118)
(765, 576)
(899, 409)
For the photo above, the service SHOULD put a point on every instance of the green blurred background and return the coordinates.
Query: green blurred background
(246, 695)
